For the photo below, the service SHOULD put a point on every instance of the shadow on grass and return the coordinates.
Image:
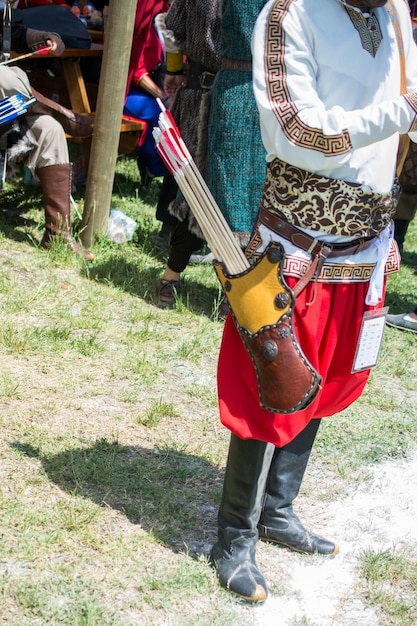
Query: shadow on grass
(400, 303)
(124, 184)
(141, 282)
(410, 259)
(13, 213)
(171, 494)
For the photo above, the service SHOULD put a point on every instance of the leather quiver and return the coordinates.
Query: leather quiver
(262, 306)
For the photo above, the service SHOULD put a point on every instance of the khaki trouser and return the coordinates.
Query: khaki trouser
(52, 147)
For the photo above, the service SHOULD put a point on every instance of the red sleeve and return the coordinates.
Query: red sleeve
(142, 58)
(150, 55)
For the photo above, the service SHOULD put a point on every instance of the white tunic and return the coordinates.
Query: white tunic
(327, 85)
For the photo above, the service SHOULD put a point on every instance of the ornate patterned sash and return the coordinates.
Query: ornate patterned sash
(335, 207)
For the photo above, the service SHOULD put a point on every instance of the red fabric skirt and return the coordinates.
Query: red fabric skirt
(327, 330)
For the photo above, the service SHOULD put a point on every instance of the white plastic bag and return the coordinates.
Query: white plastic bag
(120, 227)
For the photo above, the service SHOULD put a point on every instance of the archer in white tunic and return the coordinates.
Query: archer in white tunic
(328, 92)
(327, 80)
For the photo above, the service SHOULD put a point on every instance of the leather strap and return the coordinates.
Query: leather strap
(198, 76)
(7, 35)
(314, 246)
(237, 65)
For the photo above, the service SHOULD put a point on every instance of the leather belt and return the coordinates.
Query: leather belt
(236, 64)
(314, 246)
(198, 76)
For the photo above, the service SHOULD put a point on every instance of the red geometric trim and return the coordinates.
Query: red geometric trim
(339, 273)
(285, 111)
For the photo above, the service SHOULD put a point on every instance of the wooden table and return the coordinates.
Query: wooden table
(77, 92)
(74, 79)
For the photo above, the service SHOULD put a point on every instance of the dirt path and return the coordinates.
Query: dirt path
(378, 515)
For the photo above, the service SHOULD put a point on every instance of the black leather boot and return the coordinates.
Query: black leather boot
(234, 553)
(278, 523)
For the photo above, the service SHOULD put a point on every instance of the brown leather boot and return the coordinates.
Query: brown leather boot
(56, 189)
(75, 124)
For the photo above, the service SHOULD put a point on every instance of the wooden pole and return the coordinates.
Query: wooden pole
(110, 100)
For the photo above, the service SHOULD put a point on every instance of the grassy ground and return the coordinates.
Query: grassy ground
(112, 455)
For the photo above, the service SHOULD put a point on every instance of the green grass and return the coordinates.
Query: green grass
(392, 585)
(112, 454)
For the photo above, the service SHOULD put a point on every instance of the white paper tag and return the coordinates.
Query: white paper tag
(370, 339)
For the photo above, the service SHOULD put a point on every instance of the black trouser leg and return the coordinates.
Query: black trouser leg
(183, 244)
(167, 194)
(400, 231)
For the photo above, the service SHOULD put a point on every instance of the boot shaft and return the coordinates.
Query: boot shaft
(234, 553)
(244, 482)
(55, 181)
(287, 470)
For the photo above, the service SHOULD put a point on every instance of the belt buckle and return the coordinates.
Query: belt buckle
(203, 77)
(320, 247)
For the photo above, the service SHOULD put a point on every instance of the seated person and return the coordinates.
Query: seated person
(142, 87)
(26, 4)
(41, 141)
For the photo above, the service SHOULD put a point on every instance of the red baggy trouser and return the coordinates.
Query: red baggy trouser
(327, 330)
